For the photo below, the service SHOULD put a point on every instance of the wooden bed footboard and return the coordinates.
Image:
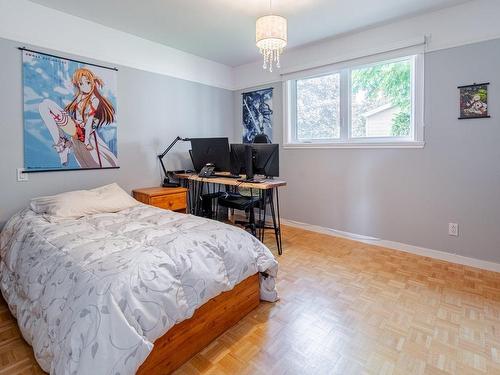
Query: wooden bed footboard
(209, 321)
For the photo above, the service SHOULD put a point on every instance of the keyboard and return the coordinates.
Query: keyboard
(253, 181)
(226, 175)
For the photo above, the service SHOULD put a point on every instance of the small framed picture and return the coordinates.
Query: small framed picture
(474, 101)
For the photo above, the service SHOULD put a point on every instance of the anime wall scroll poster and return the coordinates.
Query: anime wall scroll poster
(474, 101)
(257, 114)
(70, 119)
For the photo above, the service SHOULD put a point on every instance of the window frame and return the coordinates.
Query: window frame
(416, 138)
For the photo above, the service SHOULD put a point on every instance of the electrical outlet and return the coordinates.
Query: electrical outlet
(453, 229)
(21, 177)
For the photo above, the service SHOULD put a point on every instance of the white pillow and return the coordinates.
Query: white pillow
(78, 203)
(112, 198)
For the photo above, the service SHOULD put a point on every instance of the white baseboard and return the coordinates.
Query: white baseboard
(441, 255)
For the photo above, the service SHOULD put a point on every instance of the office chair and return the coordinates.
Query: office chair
(244, 203)
(261, 138)
(247, 202)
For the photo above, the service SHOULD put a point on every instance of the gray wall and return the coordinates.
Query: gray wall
(152, 110)
(410, 195)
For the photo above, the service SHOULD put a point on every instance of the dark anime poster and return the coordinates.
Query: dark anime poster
(257, 114)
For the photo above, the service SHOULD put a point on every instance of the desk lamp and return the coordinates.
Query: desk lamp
(166, 180)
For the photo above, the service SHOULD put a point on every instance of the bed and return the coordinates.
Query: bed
(120, 291)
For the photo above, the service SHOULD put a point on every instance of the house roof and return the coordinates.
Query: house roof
(377, 110)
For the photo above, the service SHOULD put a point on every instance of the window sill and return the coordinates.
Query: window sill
(404, 144)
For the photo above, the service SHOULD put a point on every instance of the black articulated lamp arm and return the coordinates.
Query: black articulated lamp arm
(166, 181)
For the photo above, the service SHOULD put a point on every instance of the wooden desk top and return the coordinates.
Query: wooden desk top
(266, 184)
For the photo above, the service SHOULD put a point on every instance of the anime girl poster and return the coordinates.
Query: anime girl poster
(474, 101)
(257, 114)
(70, 118)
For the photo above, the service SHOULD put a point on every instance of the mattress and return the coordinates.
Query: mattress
(94, 293)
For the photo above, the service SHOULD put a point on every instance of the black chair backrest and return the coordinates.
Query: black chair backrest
(261, 138)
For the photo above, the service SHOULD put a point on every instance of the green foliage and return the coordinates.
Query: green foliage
(401, 124)
(387, 83)
(483, 94)
(318, 100)
(318, 107)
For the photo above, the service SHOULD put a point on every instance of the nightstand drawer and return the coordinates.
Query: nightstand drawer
(170, 202)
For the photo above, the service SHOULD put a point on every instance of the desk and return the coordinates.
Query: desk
(268, 189)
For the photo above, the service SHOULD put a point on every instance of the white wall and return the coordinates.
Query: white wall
(405, 196)
(34, 24)
(409, 195)
(467, 23)
(401, 195)
(30, 23)
(152, 110)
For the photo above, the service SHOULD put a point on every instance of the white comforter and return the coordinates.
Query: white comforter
(92, 295)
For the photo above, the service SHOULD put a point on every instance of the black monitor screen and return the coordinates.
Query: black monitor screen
(238, 165)
(265, 159)
(211, 150)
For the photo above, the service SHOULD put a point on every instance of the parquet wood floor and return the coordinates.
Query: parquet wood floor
(346, 308)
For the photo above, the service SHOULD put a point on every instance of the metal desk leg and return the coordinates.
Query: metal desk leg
(280, 249)
(199, 191)
(202, 189)
(212, 202)
(275, 224)
(259, 222)
(187, 184)
(217, 203)
(195, 197)
(264, 203)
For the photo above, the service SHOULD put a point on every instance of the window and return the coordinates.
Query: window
(361, 105)
(318, 108)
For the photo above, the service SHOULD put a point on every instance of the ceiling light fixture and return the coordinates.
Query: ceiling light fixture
(271, 38)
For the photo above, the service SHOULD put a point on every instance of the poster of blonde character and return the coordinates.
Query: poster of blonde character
(70, 118)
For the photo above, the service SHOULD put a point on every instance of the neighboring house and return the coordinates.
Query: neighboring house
(379, 120)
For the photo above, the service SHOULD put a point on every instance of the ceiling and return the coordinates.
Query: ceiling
(224, 30)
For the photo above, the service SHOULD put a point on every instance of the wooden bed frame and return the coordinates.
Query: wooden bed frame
(209, 321)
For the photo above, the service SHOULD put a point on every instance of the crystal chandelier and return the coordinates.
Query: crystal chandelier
(271, 38)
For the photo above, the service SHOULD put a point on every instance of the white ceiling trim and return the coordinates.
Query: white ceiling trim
(409, 46)
(33, 24)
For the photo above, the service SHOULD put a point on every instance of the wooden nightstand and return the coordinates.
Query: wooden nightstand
(174, 199)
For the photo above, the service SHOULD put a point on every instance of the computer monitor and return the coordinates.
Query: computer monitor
(211, 150)
(238, 165)
(265, 159)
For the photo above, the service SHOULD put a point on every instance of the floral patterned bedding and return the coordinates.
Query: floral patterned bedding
(92, 295)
